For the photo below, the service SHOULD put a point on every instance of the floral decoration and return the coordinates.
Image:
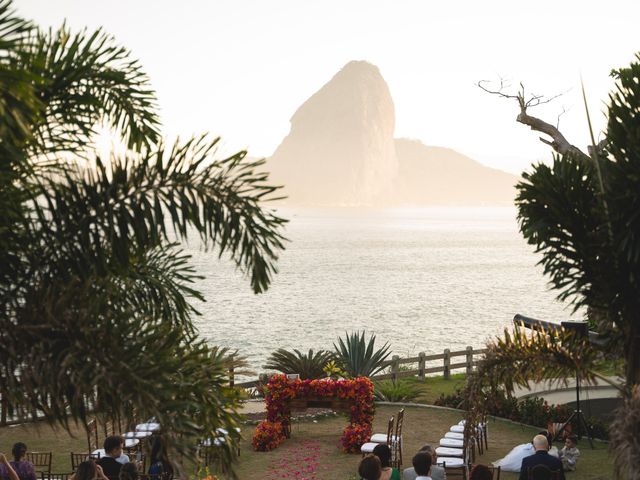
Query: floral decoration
(280, 391)
(268, 435)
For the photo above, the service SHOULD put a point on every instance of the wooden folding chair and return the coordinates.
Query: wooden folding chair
(542, 472)
(78, 458)
(41, 461)
(396, 442)
(92, 435)
(379, 438)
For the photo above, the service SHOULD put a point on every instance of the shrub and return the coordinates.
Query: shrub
(531, 411)
(400, 391)
(309, 366)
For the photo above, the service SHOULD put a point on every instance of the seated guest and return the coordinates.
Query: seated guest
(370, 468)
(383, 452)
(88, 470)
(129, 471)
(513, 460)
(570, 453)
(23, 468)
(159, 460)
(437, 472)
(480, 472)
(541, 457)
(6, 470)
(111, 462)
(422, 465)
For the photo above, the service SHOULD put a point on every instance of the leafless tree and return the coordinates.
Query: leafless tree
(527, 101)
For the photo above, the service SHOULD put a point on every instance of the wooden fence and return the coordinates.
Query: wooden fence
(449, 363)
(396, 371)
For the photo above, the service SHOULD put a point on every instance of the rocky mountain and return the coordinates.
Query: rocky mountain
(341, 151)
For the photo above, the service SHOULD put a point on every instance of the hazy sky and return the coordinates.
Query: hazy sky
(240, 68)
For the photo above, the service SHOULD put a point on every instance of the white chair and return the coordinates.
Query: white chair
(449, 452)
(457, 429)
(457, 436)
(148, 427)
(131, 442)
(385, 438)
(450, 462)
(451, 442)
(379, 438)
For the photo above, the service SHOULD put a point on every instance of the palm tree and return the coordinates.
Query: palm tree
(95, 293)
(581, 214)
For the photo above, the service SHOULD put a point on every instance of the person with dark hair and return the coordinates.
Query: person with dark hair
(570, 453)
(159, 460)
(23, 468)
(6, 470)
(370, 468)
(383, 452)
(480, 472)
(437, 472)
(88, 470)
(422, 465)
(129, 471)
(111, 463)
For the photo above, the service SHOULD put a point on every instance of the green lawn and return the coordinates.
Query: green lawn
(314, 446)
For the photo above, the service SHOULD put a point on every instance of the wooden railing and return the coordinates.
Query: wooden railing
(396, 371)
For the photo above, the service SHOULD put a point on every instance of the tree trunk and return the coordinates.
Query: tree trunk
(632, 351)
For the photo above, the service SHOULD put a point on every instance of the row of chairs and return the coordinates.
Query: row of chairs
(67, 476)
(457, 449)
(393, 438)
(78, 458)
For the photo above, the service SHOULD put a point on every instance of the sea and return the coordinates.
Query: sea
(421, 279)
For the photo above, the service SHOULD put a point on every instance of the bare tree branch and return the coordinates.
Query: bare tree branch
(558, 141)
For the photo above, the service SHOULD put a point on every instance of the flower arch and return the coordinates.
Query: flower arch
(353, 395)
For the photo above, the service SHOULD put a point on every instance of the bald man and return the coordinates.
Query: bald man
(541, 457)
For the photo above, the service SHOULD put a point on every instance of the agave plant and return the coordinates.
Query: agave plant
(309, 366)
(359, 358)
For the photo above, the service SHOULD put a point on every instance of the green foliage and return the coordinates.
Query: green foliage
(530, 411)
(332, 370)
(360, 357)
(309, 366)
(96, 296)
(400, 391)
(582, 216)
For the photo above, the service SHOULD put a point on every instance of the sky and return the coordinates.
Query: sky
(240, 68)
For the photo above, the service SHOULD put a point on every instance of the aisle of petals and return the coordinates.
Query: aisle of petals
(305, 461)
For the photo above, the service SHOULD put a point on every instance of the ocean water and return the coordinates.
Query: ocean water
(421, 279)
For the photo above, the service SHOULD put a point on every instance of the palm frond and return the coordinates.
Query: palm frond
(92, 216)
(84, 79)
(308, 366)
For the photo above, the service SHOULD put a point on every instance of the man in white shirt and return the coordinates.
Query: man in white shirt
(422, 465)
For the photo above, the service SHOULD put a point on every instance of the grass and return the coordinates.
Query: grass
(432, 387)
(315, 445)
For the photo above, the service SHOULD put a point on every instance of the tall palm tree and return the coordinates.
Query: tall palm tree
(95, 293)
(581, 214)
